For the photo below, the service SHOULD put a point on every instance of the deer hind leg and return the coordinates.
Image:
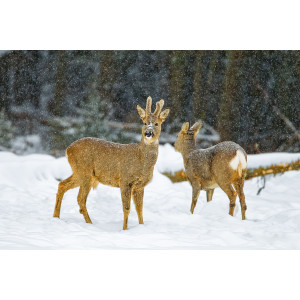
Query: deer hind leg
(63, 186)
(231, 193)
(126, 199)
(239, 187)
(84, 190)
(209, 194)
(138, 196)
(196, 191)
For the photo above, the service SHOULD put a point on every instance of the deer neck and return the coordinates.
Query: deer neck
(187, 147)
(148, 151)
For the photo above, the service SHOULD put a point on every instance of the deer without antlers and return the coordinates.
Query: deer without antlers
(129, 167)
(223, 165)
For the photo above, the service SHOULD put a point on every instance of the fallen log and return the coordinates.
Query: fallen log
(251, 173)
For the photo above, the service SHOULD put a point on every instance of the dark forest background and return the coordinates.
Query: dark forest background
(50, 98)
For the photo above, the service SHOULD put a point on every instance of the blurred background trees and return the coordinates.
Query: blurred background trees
(59, 96)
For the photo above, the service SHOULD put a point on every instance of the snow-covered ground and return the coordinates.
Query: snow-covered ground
(28, 186)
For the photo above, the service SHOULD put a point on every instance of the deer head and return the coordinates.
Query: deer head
(152, 121)
(187, 135)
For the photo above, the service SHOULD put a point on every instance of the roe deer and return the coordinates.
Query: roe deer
(223, 165)
(129, 167)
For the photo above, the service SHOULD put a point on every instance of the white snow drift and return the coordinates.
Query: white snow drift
(28, 187)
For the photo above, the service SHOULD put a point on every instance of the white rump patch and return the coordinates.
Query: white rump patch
(234, 162)
(239, 158)
(242, 158)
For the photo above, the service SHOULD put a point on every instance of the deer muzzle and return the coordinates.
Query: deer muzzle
(149, 133)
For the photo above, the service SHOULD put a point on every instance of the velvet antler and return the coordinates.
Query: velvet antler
(148, 105)
(159, 106)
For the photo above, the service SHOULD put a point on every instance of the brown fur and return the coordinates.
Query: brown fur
(210, 168)
(129, 167)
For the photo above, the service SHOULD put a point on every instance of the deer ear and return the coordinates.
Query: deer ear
(164, 114)
(196, 127)
(185, 127)
(141, 112)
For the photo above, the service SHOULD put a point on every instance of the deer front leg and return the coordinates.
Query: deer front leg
(138, 196)
(126, 199)
(209, 194)
(63, 187)
(196, 191)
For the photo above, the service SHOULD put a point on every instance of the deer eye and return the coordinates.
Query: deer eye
(156, 124)
(145, 123)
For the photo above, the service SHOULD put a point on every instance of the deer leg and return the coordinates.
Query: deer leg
(209, 194)
(84, 190)
(196, 191)
(231, 193)
(239, 188)
(63, 186)
(138, 196)
(126, 198)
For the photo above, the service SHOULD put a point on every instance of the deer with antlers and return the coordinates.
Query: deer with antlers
(129, 167)
(223, 165)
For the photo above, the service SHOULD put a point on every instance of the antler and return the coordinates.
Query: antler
(148, 105)
(159, 106)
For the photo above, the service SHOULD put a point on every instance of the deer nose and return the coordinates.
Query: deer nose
(149, 133)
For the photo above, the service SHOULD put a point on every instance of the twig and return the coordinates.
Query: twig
(287, 122)
(263, 179)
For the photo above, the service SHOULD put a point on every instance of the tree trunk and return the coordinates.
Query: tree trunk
(56, 105)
